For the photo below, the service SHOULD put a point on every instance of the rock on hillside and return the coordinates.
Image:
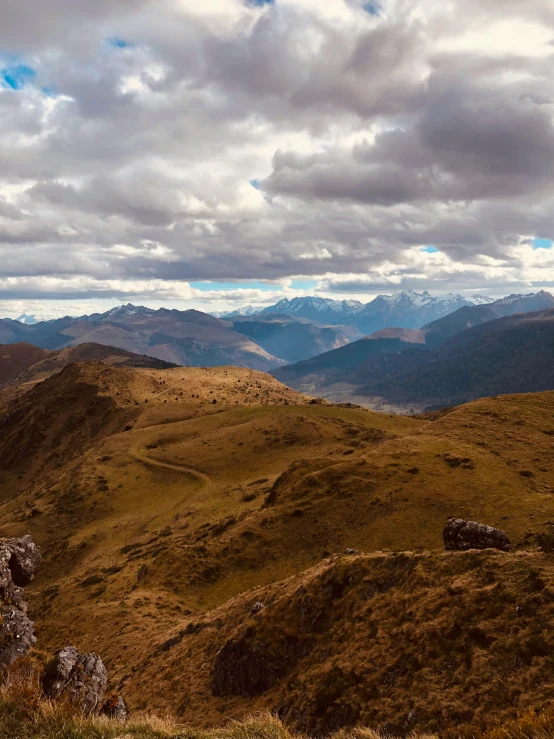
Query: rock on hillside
(81, 678)
(462, 535)
(19, 559)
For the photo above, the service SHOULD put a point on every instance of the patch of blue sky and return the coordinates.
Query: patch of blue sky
(302, 284)
(17, 76)
(254, 285)
(429, 249)
(255, 184)
(119, 43)
(372, 8)
(260, 3)
(543, 243)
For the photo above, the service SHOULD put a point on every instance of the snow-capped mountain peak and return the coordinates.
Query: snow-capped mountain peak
(478, 299)
(246, 310)
(27, 320)
(124, 311)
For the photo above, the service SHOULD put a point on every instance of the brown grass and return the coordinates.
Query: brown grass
(159, 517)
(26, 714)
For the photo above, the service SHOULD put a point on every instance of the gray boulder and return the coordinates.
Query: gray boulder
(460, 535)
(116, 708)
(82, 678)
(19, 559)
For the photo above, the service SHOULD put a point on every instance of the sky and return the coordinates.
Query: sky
(227, 152)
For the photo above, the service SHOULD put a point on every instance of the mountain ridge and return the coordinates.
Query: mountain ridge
(376, 367)
(407, 309)
(178, 337)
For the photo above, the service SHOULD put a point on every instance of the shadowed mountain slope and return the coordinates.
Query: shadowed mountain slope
(438, 332)
(506, 355)
(177, 337)
(293, 340)
(15, 358)
(509, 355)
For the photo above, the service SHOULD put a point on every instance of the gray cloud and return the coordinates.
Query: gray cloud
(371, 136)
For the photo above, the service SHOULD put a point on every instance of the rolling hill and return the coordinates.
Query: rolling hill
(16, 358)
(153, 493)
(25, 364)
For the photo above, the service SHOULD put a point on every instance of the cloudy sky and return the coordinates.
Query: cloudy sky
(220, 152)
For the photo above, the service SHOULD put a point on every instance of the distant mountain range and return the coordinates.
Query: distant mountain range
(504, 347)
(179, 337)
(185, 337)
(406, 309)
(29, 320)
(311, 334)
(264, 339)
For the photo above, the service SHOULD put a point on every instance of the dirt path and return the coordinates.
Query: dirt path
(141, 457)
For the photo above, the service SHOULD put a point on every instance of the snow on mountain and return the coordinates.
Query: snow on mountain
(312, 307)
(481, 299)
(246, 310)
(124, 311)
(27, 320)
(407, 309)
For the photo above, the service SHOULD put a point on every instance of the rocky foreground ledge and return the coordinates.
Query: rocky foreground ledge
(19, 559)
(80, 678)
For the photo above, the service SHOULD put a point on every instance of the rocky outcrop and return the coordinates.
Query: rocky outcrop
(460, 535)
(116, 708)
(19, 559)
(82, 678)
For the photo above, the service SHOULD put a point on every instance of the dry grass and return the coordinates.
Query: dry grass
(25, 714)
(136, 552)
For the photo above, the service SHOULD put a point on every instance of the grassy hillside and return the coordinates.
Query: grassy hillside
(168, 502)
(16, 358)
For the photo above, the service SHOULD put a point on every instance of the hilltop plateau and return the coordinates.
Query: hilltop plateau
(168, 503)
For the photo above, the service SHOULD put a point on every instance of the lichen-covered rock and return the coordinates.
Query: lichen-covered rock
(16, 635)
(82, 678)
(116, 708)
(22, 558)
(460, 535)
(19, 559)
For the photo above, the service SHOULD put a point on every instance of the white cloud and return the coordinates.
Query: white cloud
(130, 169)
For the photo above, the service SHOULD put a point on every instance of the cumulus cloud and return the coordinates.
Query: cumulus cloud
(156, 144)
